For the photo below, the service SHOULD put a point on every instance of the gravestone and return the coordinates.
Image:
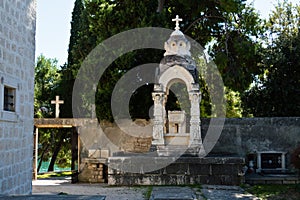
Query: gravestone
(271, 161)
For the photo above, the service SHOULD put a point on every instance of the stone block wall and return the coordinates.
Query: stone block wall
(92, 171)
(109, 137)
(249, 135)
(17, 58)
(97, 143)
(239, 137)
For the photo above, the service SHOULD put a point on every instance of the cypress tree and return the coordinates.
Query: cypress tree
(66, 86)
(75, 30)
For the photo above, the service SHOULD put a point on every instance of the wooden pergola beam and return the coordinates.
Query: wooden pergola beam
(62, 122)
(53, 126)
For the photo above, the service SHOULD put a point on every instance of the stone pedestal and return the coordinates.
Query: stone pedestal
(183, 171)
(177, 122)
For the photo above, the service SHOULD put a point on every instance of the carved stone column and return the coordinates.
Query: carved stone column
(195, 129)
(159, 114)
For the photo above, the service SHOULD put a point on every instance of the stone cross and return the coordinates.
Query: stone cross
(177, 20)
(57, 102)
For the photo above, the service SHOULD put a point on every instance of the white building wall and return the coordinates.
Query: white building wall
(17, 55)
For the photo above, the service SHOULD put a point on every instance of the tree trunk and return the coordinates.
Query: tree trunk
(55, 154)
(41, 158)
(160, 5)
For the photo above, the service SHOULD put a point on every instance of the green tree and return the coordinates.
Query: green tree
(55, 148)
(236, 52)
(276, 90)
(60, 148)
(81, 43)
(233, 104)
(229, 24)
(54, 145)
(283, 21)
(76, 27)
(45, 85)
(107, 18)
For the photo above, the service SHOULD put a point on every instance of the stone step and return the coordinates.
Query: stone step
(177, 150)
(173, 193)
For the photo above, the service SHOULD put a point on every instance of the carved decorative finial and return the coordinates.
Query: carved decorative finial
(177, 20)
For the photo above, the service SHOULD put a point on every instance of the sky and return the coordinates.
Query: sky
(53, 26)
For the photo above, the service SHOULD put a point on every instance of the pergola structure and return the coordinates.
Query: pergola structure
(59, 123)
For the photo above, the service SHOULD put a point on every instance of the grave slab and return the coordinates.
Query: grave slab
(172, 193)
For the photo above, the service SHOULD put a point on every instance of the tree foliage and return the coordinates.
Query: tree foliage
(55, 148)
(245, 50)
(276, 90)
(54, 144)
(80, 44)
(229, 24)
(46, 82)
(283, 21)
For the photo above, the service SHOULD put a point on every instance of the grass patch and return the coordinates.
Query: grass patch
(197, 186)
(148, 192)
(280, 192)
(54, 174)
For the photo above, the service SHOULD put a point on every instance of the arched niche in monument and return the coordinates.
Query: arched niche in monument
(170, 126)
(176, 74)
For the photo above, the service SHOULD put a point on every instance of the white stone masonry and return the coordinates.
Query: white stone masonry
(17, 55)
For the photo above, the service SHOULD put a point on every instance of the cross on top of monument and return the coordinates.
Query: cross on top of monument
(57, 102)
(177, 20)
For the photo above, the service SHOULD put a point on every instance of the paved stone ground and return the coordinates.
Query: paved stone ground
(63, 186)
(53, 197)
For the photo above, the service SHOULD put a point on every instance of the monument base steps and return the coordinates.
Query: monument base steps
(183, 171)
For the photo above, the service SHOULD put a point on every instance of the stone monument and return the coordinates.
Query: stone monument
(177, 155)
(169, 129)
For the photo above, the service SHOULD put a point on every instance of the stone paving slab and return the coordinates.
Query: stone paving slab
(221, 192)
(52, 197)
(173, 193)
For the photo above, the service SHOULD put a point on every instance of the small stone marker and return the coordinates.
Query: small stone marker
(57, 102)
